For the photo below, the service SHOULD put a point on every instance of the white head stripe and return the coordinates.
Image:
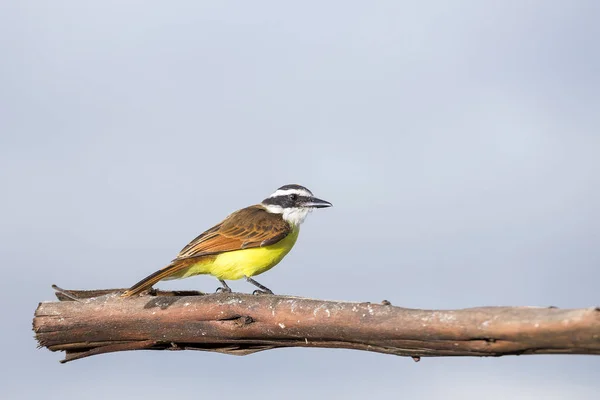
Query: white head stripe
(299, 192)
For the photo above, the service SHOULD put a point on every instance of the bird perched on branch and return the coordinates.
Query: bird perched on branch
(248, 242)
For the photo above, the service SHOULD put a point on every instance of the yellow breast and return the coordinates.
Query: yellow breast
(234, 265)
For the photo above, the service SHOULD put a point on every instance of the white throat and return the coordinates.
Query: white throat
(294, 216)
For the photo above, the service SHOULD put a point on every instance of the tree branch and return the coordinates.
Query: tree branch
(242, 324)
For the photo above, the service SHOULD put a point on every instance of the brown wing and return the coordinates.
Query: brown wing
(247, 228)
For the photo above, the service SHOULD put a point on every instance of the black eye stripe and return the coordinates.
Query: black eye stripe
(286, 201)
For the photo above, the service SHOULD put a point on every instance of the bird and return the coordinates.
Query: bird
(246, 243)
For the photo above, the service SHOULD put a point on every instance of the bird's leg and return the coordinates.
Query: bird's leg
(263, 289)
(224, 288)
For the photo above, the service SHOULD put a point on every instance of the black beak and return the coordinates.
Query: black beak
(317, 203)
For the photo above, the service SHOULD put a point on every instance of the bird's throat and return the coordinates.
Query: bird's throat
(295, 216)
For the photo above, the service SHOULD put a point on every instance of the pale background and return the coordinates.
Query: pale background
(458, 140)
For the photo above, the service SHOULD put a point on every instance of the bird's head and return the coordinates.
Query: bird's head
(294, 202)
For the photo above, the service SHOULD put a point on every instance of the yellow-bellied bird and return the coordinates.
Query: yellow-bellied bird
(248, 242)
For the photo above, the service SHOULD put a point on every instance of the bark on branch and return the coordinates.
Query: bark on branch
(242, 324)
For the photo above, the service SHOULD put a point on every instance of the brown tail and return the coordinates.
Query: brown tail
(150, 280)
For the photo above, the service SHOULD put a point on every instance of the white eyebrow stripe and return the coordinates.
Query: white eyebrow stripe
(299, 192)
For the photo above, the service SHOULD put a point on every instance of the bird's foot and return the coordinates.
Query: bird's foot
(259, 292)
(261, 289)
(224, 287)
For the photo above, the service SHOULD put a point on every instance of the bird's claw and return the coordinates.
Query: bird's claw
(261, 292)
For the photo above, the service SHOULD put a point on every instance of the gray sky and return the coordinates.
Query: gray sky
(458, 141)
